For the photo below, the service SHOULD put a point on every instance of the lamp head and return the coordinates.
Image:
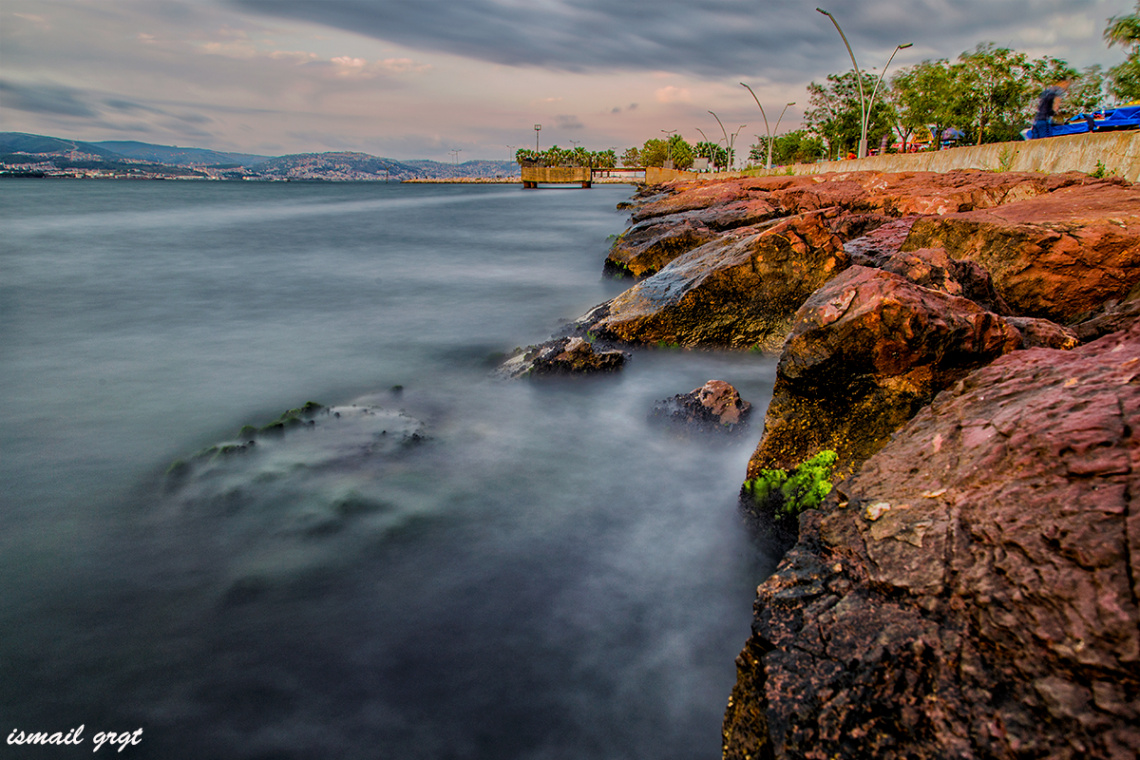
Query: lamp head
(904, 47)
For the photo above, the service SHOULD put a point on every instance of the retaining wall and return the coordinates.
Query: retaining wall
(1117, 152)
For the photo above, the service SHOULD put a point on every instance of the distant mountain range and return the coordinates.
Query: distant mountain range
(40, 155)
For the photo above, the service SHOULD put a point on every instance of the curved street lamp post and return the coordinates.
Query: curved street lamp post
(864, 106)
(768, 165)
(728, 142)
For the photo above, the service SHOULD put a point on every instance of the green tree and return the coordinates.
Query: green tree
(654, 152)
(1088, 94)
(631, 157)
(834, 112)
(716, 154)
(681, 152)
(1124, 78)
(927, 96)
(795, 147)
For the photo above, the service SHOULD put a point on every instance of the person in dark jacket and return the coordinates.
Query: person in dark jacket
(1047, 109)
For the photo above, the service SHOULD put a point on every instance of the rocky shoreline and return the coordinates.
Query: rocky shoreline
(967, 345)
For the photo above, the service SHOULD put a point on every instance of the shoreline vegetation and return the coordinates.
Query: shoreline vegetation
(964, 350)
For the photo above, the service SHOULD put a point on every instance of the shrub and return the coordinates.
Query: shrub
(786, 494)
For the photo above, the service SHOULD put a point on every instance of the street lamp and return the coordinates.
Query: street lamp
(455, 152)
(537, 129)
(769, 163)
(863, 105)
(728, 142)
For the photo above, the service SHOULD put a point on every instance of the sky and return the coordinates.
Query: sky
(469, 79)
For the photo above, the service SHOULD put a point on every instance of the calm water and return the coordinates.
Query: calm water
(537, 574)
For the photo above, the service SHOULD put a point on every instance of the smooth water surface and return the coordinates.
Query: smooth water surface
(537, 572)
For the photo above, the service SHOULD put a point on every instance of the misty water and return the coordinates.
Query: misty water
(454, 567)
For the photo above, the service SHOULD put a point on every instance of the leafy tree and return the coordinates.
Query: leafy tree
(1124, 79)
(654, 152)
(835, 114)
(1124, 30)
(555, 156)
(1087, 95)
(927, 96)
(795, 147)
(716, 154)
(681, 152)
(631, 157)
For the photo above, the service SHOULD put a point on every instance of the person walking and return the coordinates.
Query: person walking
(1047, 109)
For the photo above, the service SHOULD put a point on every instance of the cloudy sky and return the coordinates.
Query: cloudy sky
(421, 78)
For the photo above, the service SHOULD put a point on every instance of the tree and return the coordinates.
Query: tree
(654, 152)
(716, 154)
(681, 152)
(926, 96)
(1124, 30)
(631, 157)
(1124, 79)
(998, 86)
(1087, 95)
(795, 147)
(834, 112)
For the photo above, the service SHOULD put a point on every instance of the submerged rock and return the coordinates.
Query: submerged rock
(972, 590)
(714, 407)
(561, 356)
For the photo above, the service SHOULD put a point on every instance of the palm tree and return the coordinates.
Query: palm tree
(1123, 30)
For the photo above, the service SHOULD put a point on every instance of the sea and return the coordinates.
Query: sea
(435, 563)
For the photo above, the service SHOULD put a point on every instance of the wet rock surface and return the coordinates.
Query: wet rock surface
(972, 590)
(739, 291)
(867, 351)
(715, 407)
(561, 356)
(973, 357)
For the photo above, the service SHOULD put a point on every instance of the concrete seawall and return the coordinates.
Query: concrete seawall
(1117, 152)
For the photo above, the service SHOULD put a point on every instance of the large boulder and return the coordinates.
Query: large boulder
(739, 291)
(1059, 256)
(866, 352)
(647, 247)
(972, 591)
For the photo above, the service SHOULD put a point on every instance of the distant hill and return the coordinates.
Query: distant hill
(142, 159)
(490, 169)
(169, 154)
(20, 142)
(342, 165)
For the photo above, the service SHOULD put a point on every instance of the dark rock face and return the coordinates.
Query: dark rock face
(715, 407)
(866, 352)
(740, 290)
(972, 591)
(561, 356)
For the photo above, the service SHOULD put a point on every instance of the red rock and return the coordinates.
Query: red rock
(647, 247)
(714, 407)
(866, 352)
(972, 591)
(738, 291)
(1057, 256)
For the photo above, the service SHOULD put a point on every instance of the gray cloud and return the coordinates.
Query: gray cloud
(569, 121)
(45, 99)
(781, 40)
